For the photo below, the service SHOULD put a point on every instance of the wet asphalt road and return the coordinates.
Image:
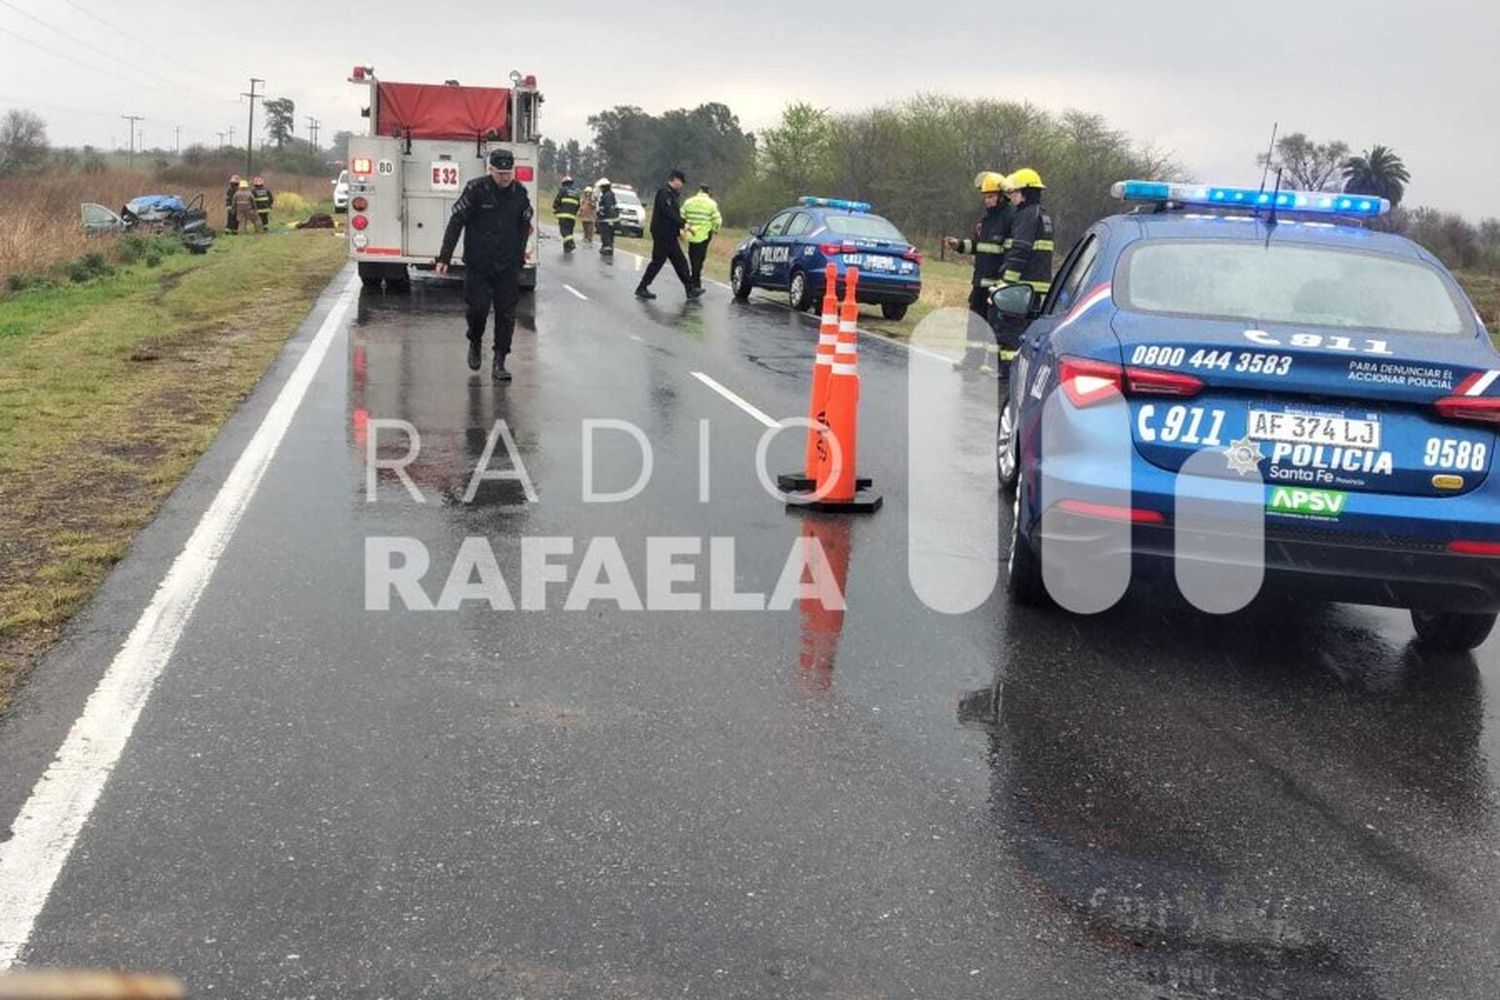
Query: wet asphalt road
(324, 801)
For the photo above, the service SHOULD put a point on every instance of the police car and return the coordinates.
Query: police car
(791, 250)
(1228, 366)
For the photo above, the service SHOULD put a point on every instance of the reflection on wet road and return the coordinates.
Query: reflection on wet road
(870, 801)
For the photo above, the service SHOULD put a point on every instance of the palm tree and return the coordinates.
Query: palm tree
(1379, 172)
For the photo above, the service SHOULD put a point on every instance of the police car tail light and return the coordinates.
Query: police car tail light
(1111, 512)
(1306, 202)
(913, 254)
(1087, 382)
(1156, 382)
(1465, 547)
(832, 249)
(1475, 409)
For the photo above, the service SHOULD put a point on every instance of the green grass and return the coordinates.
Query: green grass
(110, 390)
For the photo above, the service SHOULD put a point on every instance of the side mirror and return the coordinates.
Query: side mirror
(1015, 301)
(758, 231)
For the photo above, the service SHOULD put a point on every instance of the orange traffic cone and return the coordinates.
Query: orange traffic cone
(838, 487)
(828, 336)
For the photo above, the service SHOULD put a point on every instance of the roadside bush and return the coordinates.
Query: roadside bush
(88, 267)
(18, 282)
(153, 259)
(132, 247)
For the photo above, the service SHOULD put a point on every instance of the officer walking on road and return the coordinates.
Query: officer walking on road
(667, 226)
(1029, 259)
(988, 245)
(702, 215)
(565, 208)
(494, 215)
(609, 211)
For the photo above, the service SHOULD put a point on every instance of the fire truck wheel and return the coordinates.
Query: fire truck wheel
(370, 276)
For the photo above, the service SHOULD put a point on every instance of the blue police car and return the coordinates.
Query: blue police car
(1251, 378)
(790, 251)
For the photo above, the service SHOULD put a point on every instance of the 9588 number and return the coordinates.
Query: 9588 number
(1463, 456)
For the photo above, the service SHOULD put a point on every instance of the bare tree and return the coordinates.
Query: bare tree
(1307, 165)
(23, 141)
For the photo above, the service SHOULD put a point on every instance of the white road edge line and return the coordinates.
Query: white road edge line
(48, 825)
(576, 292)
(736, 399)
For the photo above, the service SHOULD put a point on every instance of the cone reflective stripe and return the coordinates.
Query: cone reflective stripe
(828, 336)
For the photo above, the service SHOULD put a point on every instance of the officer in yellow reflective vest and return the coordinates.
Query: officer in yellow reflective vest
(701, 213)
(988, 245)
(565, 208)
(1028, 260)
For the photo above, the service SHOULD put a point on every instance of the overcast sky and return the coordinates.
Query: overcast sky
(1201, 79)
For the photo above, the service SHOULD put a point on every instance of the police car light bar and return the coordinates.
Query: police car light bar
(1314, 202)
(848, 206)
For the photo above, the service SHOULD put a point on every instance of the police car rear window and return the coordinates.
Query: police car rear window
(1292, 283)
(869, 227)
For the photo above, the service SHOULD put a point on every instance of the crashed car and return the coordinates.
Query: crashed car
(156, 213)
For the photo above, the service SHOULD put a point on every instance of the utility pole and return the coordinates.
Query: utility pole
(231, 137)
(177, 142)
(253, 94)
(312, 129)
(132, 119)
(221, 136)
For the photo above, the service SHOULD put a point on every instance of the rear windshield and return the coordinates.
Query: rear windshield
(627, 198)
(868, 227)
(1288, 283)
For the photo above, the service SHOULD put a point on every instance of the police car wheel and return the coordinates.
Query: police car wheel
(797, 294)
(1007, 458)
(1023, 570)
(1452, 631)
(739, 280)
(894, 311)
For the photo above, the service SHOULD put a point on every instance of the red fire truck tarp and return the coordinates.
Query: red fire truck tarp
(436, 111)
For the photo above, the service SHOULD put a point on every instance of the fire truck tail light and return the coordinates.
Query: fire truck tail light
(525, 174)
(359, 222)
(360, 203)
(362, 165)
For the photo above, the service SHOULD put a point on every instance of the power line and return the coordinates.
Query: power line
(117, 30)
(102, 51)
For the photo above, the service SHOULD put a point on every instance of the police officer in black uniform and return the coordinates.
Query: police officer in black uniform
(494, 215)
(667, 226)
(1029, 259)
(988, 245)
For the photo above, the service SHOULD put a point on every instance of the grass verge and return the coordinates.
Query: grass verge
(109, 392)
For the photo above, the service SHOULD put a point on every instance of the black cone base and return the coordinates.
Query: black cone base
(865, 501)
(796, 482)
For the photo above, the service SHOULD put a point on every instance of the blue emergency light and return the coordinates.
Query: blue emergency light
(839, 203)
(1308, 202)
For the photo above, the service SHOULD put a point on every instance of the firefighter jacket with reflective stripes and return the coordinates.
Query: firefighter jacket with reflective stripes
(1029, 259)
(495, 222)
(565, 205)
(701, 213)
(991, 240)
(609, 207)
(263, 197)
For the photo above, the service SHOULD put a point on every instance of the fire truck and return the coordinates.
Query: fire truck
(425, 142)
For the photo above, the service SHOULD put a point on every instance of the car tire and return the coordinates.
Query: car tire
(894, 311)
(1007, 447)
(1452, 631)
(1023, 569)
(798, 295)
(739, 279)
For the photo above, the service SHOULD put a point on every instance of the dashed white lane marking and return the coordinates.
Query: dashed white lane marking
(576, 292)
(49, 823)
(736, 399)
(637, 338)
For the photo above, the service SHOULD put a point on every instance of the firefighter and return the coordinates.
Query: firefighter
(263, 200)
(1028, 261)
(231, 223)
(588, 212)
(667, 228)
(565, 208)
(988, 245)
(609, 211)
(244, 209)
(702, 215)
(494, 215)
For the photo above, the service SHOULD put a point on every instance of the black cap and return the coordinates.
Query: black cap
(502, 159)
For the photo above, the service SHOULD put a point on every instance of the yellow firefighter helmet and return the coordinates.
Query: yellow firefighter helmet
(989, 182)
(1024, 178)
